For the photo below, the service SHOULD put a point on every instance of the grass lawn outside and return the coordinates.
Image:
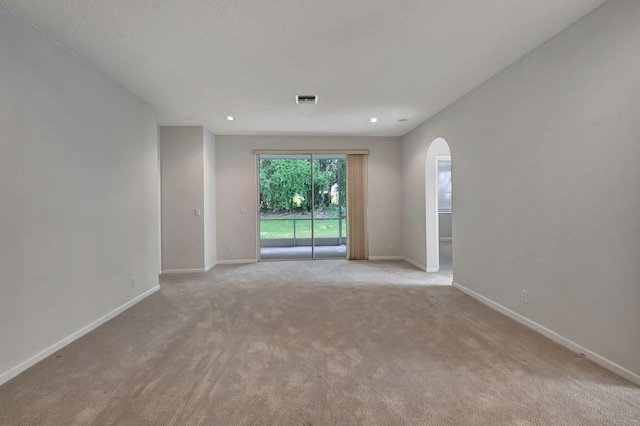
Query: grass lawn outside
(283, 228)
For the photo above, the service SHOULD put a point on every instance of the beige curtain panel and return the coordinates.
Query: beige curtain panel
(356, 207)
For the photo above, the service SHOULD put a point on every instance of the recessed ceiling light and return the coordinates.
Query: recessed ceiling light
(230, 118)
(373, 120)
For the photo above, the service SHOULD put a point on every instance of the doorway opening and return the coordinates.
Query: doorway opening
(439, 208)
(302, 206)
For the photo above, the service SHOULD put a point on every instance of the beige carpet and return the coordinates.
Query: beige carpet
(315, 343)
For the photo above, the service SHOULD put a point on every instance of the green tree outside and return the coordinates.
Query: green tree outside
(285, 186)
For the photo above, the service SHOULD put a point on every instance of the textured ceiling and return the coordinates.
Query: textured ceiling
(390, 59)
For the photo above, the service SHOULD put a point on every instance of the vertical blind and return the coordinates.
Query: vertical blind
(356, 207)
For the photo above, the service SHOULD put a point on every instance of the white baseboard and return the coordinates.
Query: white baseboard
(416, 264)
(431, 269)
(386, 258)
(567, 343)
(182, 271)
(236, 261)
(13, 372)
(210, 267)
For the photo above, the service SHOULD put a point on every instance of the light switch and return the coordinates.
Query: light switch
(243, 210)
(197, 212)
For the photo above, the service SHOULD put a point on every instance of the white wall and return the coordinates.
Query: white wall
(237, 188)
(543, 154)
(183, 164)
(79, 191)
(210, 249)
(187, 156)
(444, 226)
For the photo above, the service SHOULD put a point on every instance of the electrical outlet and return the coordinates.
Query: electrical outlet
(525, 296)
(133, 282)
(390, 246)
(230, 249)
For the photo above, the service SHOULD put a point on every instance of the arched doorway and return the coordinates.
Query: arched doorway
(438, 207)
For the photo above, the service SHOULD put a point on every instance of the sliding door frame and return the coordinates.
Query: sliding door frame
(311, 153)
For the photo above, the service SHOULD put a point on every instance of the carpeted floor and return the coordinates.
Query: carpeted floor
(315, 343)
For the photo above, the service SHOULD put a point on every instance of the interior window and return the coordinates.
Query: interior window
(444, 186)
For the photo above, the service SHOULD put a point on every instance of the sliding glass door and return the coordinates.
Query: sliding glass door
(302, 204)
(329, 210)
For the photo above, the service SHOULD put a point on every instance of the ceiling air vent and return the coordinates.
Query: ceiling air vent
(306, 99)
